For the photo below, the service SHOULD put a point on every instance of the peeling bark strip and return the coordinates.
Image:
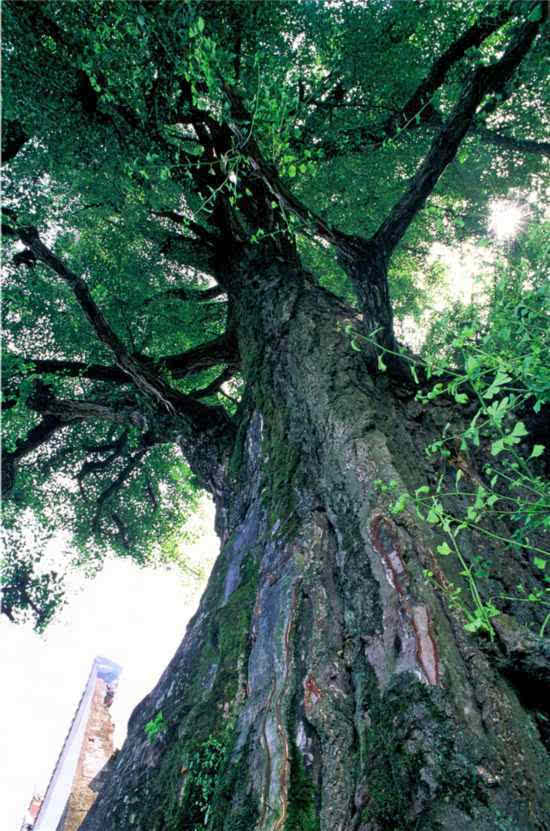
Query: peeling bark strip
(385, 542)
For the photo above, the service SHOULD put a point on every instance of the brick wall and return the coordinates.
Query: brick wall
(97, 748)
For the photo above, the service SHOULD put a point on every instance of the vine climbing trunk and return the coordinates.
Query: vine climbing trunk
(323, 683)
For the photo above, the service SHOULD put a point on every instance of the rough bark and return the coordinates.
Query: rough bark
(322, 683)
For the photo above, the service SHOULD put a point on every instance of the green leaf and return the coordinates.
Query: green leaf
(475, 625)
(539, 563)
(461, 398)
(399, 506)
(497, 447)
(519, 430)
(537, 450)
(536, 14)
(444, 549)
(292, 171)
(381, 365)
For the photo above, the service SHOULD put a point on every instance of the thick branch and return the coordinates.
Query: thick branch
(144, 380)
(66, 411)
(485, 79)
(214, 386)
(268, 174)
(78, 369)
(490, 21)
(195, 253)
(223, 349)
(37, 436)
(13, 139)
(195, 295)
(194, 227)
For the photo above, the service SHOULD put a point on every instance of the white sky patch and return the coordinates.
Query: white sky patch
(467, 267)
(136, 617)
(505, 218)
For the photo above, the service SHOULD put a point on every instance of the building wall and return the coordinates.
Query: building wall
(97, 748)
(87, 748)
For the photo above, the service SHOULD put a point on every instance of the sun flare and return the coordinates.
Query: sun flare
(505, 219)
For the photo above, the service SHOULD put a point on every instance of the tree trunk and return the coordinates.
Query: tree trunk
(323, 684)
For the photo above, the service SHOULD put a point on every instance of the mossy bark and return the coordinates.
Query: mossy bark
(345, 694)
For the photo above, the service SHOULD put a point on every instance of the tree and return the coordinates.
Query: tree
(215, 211)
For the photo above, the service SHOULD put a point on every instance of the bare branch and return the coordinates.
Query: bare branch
(66, 411)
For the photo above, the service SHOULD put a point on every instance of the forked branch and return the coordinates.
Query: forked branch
(484, 80)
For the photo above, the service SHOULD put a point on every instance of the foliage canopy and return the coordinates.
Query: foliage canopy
(146, 144)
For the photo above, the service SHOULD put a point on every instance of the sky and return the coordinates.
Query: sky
(136, 617)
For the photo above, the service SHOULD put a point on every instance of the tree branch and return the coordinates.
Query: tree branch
(484, 80)
(145, 380)
(195, 295)
(491, 19)
(91, 466)
(43, 400)
(269, 175)
(214, 386)
(116, 484)
(196, 253)
(37, 436)
(78, 369)
(223, 349)
(194, 227)
(13, 139)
